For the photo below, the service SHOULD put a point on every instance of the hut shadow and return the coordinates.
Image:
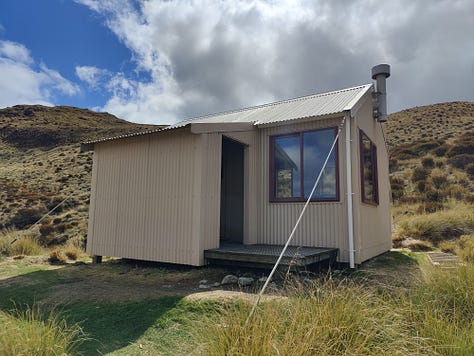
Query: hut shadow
(109, 325)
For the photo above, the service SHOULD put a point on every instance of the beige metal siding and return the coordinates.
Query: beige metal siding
(209, 209)
(324, 224)
(146, 203)
(372, 223)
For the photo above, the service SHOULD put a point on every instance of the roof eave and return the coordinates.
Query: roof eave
(355, 104)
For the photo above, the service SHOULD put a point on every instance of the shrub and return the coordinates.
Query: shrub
(14, 243)
(393, 164)
(418, 246)
(57, 256)
(439, 178)
(424, 146)
(46, 229)
(461, 147)
(438, 226)
(26, 245)
(26, 217)
(461, 161)
(72, 252)
(421, 186)
(470, 170)
(448, 246)
(439, 163)
(441, 150)
(429, 207)
(465, 249)
(30, 332)
(53, 202)
(397, 185)
(455, 191)
(61, 227)
(428, 162)
(433, 195)
(419, 173)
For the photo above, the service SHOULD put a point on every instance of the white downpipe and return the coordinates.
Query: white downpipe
(350, 216)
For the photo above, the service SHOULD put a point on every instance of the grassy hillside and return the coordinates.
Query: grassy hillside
(431, 164)
(40, 165)
(432, 174)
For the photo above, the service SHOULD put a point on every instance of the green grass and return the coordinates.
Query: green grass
(395, 304)
(30, 332)
(334, 316)
(438, 226)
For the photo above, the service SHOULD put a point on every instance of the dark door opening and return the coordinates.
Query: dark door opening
(232, 191)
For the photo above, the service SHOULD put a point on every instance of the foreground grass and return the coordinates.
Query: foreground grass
(327, 318)
(29, 332)
(372, 311)
(331, 317)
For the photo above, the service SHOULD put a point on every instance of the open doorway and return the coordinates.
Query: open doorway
(232, 191)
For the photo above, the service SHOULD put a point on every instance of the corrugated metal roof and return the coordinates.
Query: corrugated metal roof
(307, 106)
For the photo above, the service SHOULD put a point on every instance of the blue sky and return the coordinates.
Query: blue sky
(162, 61)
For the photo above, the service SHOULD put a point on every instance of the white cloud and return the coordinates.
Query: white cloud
(23, 82)
(207, 56)
(93, 76)
(15, 51)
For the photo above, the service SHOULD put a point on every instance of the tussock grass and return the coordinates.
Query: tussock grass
(440, 225)
(326, 318)
(57, 255)
(31, 332)
(465, 248)
(348, 317)
(442, 309)
(14, 243)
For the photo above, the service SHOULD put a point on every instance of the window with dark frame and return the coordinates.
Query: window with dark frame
(368, 169)
(295, 162)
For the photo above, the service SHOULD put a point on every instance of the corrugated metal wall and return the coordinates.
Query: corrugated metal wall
(148, 198)
(157, 197)
(324, 224)
(209, 209)
(372, 223)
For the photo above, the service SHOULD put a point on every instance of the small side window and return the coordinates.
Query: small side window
(368, 170)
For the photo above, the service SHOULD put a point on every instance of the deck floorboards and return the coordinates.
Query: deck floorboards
(266, 255)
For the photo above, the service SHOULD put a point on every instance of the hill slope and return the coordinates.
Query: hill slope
(40, 164)
(431, 150)
(432, 174)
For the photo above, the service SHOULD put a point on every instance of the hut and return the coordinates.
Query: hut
(239, 179)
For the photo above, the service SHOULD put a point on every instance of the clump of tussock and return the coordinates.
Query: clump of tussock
(465, 248)
(57, 256)
(325, 318)
(442, 309)
(440, 225)
(30, 332)
(15, 243)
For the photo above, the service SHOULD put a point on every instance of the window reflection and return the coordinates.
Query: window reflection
(287, 167)
(298, 159)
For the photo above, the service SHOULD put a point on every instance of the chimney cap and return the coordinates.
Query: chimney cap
(381, 69)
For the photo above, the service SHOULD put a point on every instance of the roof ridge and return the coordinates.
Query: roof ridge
(299, 98)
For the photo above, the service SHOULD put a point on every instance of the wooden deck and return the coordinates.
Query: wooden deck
(265, 256)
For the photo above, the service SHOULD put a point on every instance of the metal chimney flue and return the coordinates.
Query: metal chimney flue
(380, 73)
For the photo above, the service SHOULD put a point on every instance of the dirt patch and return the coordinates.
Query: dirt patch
(117, 283)
(229, 295)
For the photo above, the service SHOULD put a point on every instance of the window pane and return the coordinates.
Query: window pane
(287, 167)
(368, 169)
(316, 146)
